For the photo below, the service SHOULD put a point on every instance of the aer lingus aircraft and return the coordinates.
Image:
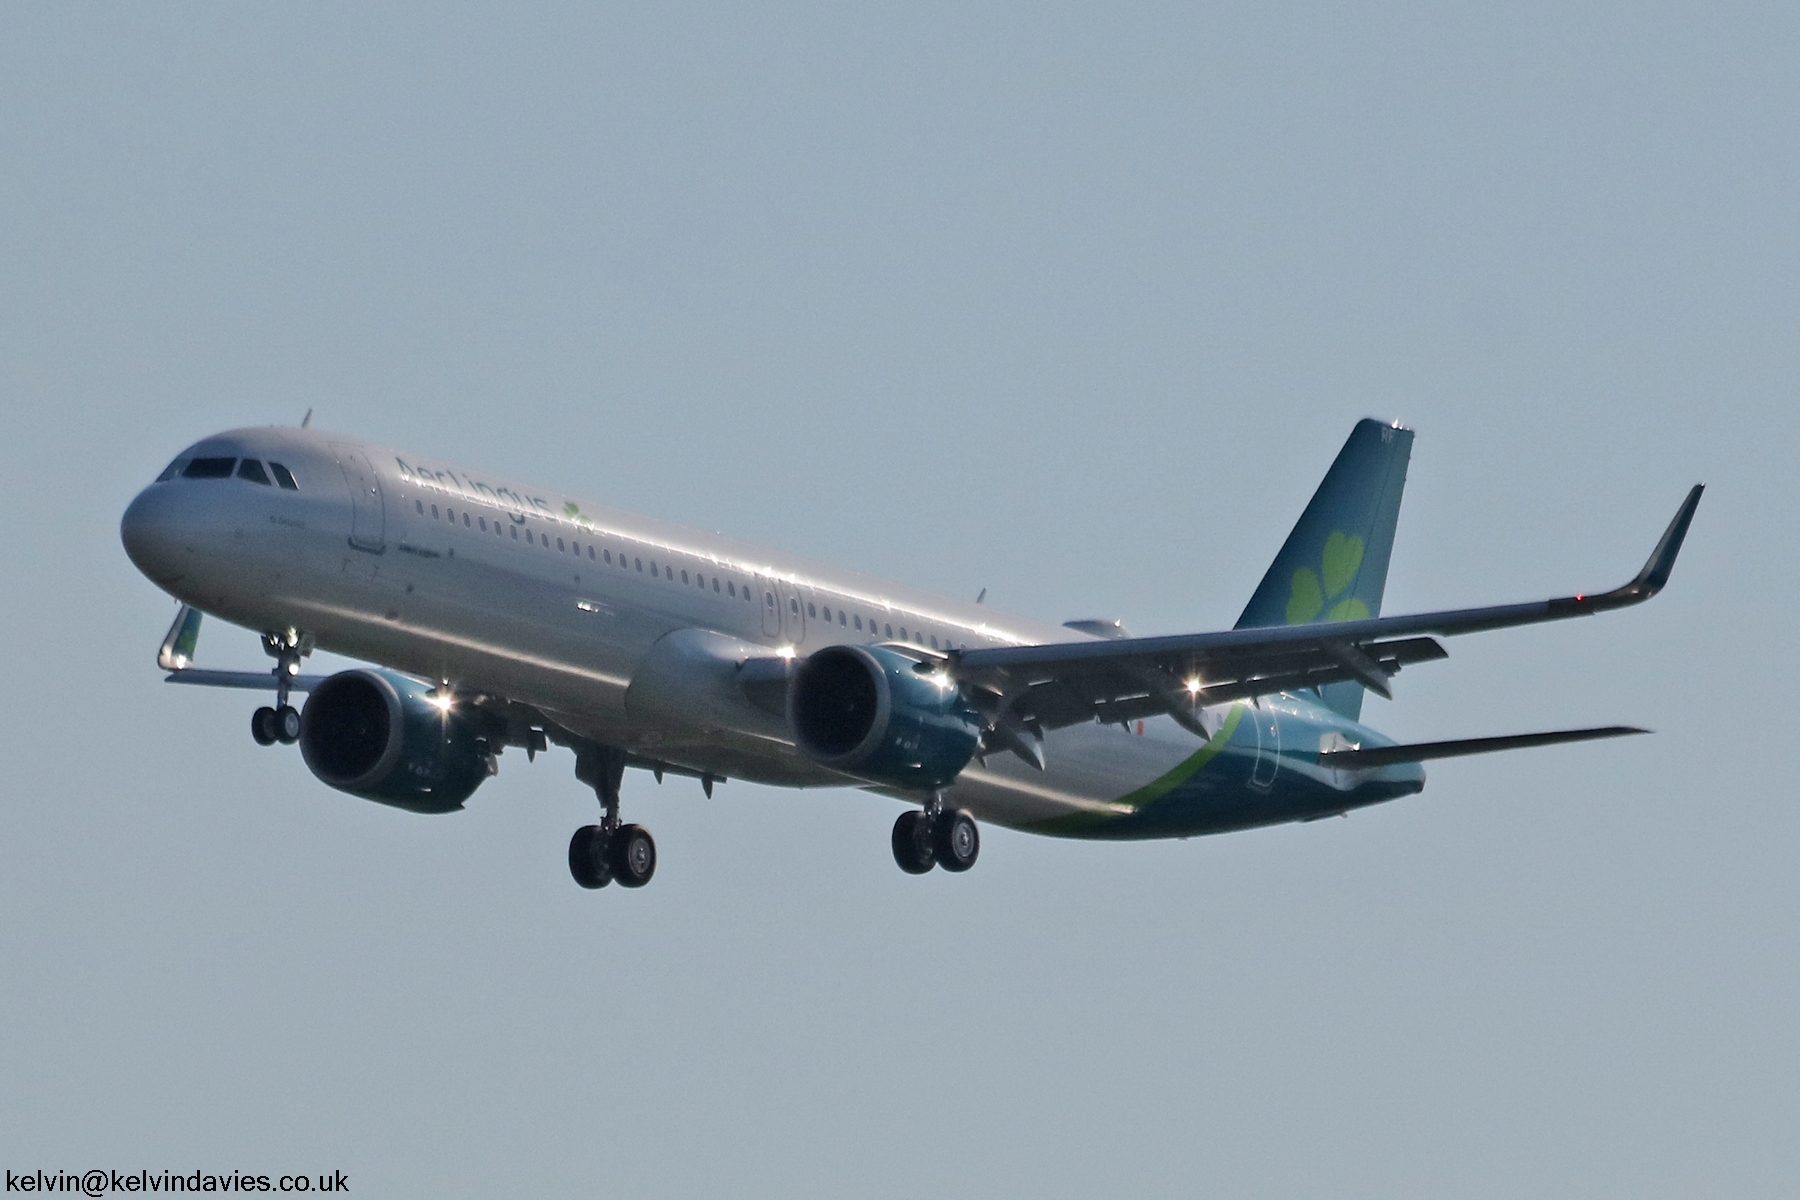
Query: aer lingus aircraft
(500, 614)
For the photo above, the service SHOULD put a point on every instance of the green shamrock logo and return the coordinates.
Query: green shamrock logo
(1343, 555)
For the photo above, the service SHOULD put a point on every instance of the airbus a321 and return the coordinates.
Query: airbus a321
(497, 614)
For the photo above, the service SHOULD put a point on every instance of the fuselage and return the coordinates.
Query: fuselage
(582, 612)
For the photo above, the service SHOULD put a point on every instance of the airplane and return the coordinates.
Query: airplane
(497, 614)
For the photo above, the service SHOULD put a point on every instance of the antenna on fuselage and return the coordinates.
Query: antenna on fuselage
(307, 419)
(981, 597)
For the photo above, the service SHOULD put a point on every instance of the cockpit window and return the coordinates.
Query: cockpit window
(169, 471)
(209, 468)
(253, 471)
(283, 476)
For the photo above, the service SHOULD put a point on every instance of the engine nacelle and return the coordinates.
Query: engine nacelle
(867, 711)
(380, 736)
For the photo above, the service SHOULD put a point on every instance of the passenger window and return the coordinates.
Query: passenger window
(283, 476)
(811, 611)
(253, 471)
(841, 620)
(730, 589)
(528, 537)
(794, 606)
(465, 518)
(769, 598)
(590, 552)
(607, 555)
(859, 624)
(515, 532)
(890, 632)
(640, 564)
(827, 611)
(209, 468)
(559, 545)
(482, 521)
(903, 633)
(934, 641)
(170, 470)
(715, 583)
(668, 572)
(684, 577)
(434, 512)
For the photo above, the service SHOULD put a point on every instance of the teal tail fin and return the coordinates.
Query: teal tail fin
(1334, 566)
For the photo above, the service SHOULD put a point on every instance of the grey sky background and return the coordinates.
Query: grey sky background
(1075, 304)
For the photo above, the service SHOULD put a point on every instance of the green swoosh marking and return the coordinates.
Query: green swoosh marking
(1157, 788)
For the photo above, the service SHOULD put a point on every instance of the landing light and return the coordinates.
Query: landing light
(1193, 687)
(784, 652)
(441, 700)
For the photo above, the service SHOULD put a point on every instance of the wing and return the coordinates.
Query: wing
(1033, 688)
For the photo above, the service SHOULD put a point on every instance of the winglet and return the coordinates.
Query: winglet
(1656, 570)
(177, 652)
(1662, 560)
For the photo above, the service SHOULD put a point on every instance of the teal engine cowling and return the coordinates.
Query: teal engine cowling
(381, 736)
(867, 711)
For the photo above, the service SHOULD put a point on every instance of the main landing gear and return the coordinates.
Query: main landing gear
(935, 836)
(282, 722)
(609, 852)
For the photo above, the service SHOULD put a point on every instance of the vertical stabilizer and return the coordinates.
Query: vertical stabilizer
(1333, 566)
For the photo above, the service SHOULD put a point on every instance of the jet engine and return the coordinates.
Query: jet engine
(384, 737)
(869, 712)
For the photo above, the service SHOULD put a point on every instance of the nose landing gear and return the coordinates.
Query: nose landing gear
(271, 725)
(936, 836)
(282, 722)
(609, 852)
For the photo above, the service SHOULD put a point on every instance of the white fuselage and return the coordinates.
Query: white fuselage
(559, 603)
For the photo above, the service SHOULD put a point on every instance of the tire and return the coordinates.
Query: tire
(956, 840)
(633, 856)
(912, 843)
(262, 726)
(286, 725)
(587, 858)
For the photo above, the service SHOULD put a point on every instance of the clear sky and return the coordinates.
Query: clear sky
(1071, 303)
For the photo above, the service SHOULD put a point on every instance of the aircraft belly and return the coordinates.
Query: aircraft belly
(1105, 783)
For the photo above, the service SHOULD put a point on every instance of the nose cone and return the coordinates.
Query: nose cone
(152, 532)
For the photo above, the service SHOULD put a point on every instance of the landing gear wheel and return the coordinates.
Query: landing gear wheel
(286, 725)
(956, 840)
(912, 843)
(262, 726)
(633, 856)
(587, 857)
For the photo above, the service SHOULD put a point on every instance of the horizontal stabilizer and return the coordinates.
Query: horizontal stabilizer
(1387, 756)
